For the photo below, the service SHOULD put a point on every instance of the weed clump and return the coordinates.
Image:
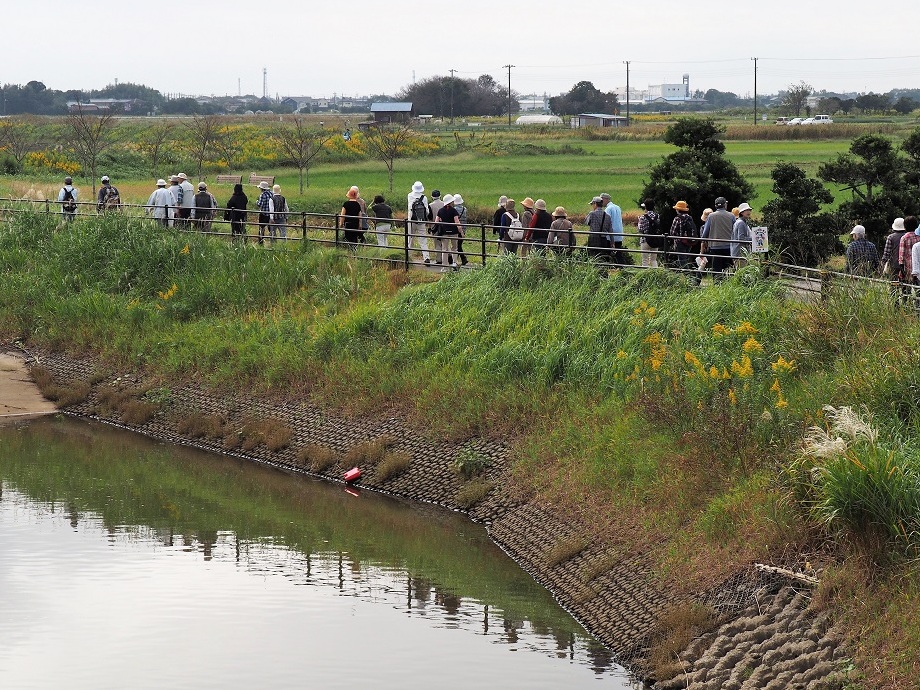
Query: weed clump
(393, 464)
(471, 463)
(318, 458)
(138, 412)
(272, 432)
(200, 425)
(473, 492)
(369, 452)
(673, 633)
(565, 550)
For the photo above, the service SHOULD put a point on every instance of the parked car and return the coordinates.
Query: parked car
(782, 120)
(808, 121)
(795, 121)
(823, 120)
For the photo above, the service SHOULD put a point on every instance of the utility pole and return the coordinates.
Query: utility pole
(755, 89)
(451, 95)
(508, 67)
(264, 83)
(626, 62)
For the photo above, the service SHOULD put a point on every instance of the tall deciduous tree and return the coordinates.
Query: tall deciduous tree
(152, 141)
(386, 143)
(89, 135)
(301, 144)
(584, 97)
(697, 173)
(203, 132)
(796, 95)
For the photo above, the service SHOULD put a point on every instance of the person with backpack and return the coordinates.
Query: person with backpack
(435, 205)
(279, 220)
(418, 217)
(109, 199)
(236, 213)
(449, 230)
(650, 237)
(540, 224)
(599, 229)
(68, 199)
(460, 208)
(684, 240)
(512, 230)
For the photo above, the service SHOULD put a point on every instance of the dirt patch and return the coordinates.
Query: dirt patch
(19, 396)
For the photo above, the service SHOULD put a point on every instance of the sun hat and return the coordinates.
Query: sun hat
(597, 200)
(173, 178)
(418, 187)
(744, 207)
(68, 180)
(448, 199)
(502, 200)
(182, 176)
(276, 189)
(898, 225)
(509, 203)
(605, 195)
(202, 185)
(858, 230)
(161, 182)
(264, 185)
(105, 178)
(540, 205)
(352, 193)
(527, 203)
(458, 200)
(681, 206)
(706, 212)
(559, 212)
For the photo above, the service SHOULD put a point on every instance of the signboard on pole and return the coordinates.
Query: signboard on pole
(760, 240)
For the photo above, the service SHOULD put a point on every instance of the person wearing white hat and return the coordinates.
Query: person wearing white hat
(418, 216)
(178, 196)
(463, 218)
(160, 204)
(279, 220)
(266, 206)
(741, 233)
(891, 267)
(109, 199)
(188, 199)
(449, 229)
(203, 211)
(862, 256)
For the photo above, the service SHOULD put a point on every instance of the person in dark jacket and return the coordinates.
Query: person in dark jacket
(383, 219)
(497, 226)
(236, 212)
(350, 217)
(540, 224)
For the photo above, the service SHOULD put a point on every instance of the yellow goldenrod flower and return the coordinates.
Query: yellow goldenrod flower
(719, 329)
(783, 366)
(732, 398)
(184, 250)
(751, 346)
(622, 354)
(746, 328)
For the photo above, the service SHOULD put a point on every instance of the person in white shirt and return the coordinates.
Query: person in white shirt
(160, 204)
(68, 199)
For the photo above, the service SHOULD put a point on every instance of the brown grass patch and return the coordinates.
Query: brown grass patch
(473, 492)
(369, 453)
(42, 377)
(598, 567)
(393, 464)
(675, 630)
(274, 433)
(200, 425)
(318, 458)
(565, 550)
(138, 412)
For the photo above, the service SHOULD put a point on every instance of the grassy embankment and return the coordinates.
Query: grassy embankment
(652, 412)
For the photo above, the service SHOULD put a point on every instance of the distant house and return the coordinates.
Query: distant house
(103, 105)
(386, 113)
(597, 120)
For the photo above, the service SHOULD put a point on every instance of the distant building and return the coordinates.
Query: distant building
(674, 94)
(533, 103)
(538, 120)
(597, 120)
(103, 105)
(386, 113)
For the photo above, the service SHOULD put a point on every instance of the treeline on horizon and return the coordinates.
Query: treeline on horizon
(441, 96)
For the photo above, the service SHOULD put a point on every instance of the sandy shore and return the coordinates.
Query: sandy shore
(19, 396)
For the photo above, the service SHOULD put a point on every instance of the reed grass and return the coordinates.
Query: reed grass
(393, 464)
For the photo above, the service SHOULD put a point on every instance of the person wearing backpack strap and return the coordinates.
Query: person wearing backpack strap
(279, 219)
(650, 237)
(685, 243)
(599, 228)
(512, 228)
(109, 199)
(418, 216)
(68, 198)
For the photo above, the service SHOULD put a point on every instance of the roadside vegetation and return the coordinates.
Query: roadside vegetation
(653, 411)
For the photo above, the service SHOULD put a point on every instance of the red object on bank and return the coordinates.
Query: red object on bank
(353, 474)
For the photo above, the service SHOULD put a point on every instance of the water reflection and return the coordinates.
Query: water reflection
(245, 577)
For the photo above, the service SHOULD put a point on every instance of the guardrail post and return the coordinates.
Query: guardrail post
(303, 230)
(406, 242)
(337, 219)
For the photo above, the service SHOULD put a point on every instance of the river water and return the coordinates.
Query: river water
(126, 563)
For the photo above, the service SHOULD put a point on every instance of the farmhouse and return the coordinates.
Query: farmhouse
(597, 120)
(386, 113)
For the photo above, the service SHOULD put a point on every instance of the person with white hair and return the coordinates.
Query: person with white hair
(862, 255)
(418, 217)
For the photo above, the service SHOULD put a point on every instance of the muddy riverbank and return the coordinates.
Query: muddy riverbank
(765, 633)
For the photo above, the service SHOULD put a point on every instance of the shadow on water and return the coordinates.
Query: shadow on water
(424, 562)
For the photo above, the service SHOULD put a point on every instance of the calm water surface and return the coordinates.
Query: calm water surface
(130, 564)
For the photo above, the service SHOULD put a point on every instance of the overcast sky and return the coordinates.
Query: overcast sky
(355, 48)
